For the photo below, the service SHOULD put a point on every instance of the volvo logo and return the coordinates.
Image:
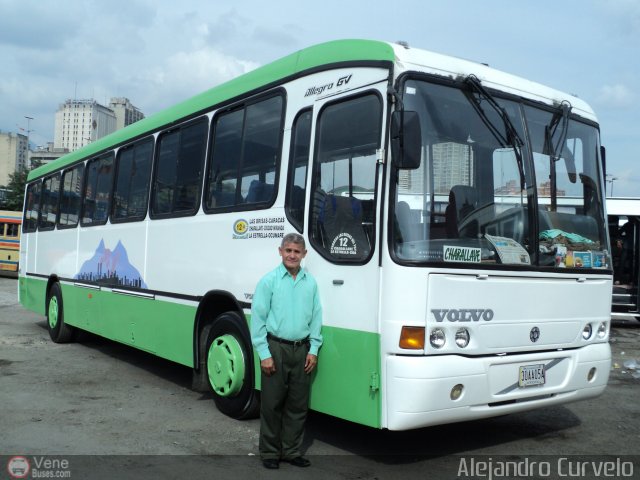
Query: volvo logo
(534, 334)
(463, 314)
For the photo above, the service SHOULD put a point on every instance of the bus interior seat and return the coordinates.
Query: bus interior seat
(259, 192)
(408, 227)
(224, 198)
(342, 215)
(463, 199)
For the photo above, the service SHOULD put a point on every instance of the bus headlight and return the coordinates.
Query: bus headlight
(437, 338)
(462, 337)
(602, 330)
(587, 331)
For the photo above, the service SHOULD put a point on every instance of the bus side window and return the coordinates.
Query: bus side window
(178, 170)
(244, 156)
(50, 195)
(97, 190)
(298, 161)
(132, 181)
(70, 201)
(32, 207)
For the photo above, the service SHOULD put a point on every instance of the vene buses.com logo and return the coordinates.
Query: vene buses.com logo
(18, 467)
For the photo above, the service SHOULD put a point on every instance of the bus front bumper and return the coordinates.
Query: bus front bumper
(419, 389)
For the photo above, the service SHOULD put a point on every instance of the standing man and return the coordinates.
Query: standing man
(286, 318)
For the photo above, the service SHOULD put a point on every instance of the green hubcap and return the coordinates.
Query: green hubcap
(53, 312)
(225, 364)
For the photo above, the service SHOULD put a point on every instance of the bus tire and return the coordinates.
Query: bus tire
(228, 358)
(59, 331)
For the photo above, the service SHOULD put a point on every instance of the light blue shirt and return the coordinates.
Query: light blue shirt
(286, 308)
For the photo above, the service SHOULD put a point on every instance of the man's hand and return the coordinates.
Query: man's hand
(268, 366)
(310, 363)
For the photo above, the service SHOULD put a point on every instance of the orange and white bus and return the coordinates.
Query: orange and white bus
(9, 241)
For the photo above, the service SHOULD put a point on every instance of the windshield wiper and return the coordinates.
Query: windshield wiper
(511, 137)
(560, 120)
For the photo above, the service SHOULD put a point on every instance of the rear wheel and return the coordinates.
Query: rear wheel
(229, 367)
(59, 331)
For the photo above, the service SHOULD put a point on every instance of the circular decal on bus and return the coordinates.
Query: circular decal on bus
(344, 244)
(241, 228)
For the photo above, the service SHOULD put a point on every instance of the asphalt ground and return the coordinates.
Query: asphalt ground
(99, 409)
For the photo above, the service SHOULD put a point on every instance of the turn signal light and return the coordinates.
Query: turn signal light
(412, 338)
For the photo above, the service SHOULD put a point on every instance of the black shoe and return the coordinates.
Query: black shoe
(299, 462)
(271, 463)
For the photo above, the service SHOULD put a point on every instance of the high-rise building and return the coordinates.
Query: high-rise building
(126, 113)
(13, 155)
(80, 122)
(452, 165)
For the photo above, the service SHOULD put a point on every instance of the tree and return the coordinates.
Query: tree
(15, 189)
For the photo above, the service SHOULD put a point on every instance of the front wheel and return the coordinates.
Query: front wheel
(229, 367)
(59, 331)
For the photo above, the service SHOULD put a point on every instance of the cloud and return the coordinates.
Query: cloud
(183, 75)
(617, 95)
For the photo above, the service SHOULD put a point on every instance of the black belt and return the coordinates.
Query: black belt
(295, 343)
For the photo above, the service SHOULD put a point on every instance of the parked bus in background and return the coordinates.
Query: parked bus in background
(457, 280)
(9, 242)
(624, 229)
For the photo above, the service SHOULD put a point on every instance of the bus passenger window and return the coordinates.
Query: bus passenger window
(178, 172)
(298, 161)
(344, 179)
(32, 207)
(97, 190)
(70, 202)
(132, 181)
(244, 158)
(50, 194)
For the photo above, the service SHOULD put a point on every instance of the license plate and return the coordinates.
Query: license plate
(531, 375)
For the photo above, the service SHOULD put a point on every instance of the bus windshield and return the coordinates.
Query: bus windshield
(500, 183)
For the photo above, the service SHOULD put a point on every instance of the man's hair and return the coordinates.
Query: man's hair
(293, 238)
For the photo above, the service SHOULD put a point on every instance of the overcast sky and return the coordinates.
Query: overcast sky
(159, 52)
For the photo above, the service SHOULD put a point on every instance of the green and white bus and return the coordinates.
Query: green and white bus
(456, 282)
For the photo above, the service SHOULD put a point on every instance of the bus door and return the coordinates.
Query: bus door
(343, 202)
(624, 231)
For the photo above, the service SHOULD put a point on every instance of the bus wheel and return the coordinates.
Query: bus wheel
(59, 331)
(229, 364)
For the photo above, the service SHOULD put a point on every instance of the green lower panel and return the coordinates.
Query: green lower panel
(346, 384)
(162, 328)
(32, 293)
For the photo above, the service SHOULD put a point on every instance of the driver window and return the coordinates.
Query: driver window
(344, 179)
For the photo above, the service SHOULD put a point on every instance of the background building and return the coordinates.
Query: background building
(13, 155)
(45, 154)
(126, 113)
(80, 122)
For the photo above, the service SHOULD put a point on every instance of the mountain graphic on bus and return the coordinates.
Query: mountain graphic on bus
(110, 268)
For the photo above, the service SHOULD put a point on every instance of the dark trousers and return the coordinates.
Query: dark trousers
(284, 402)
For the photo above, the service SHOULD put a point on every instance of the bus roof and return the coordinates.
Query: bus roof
(319, 56)
(335, 54)
(9, 216)
(623, 206)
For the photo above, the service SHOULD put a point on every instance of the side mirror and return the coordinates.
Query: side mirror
(603, 156)
(406, 140)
